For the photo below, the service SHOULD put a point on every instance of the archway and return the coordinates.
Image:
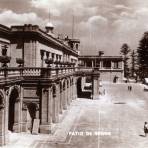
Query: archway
(12, 109)
(32, 109)
(79, 88)
(82, 93)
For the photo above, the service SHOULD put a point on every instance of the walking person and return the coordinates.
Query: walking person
(130, 88)
(145, 128)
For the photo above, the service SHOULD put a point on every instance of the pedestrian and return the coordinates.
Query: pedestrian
(130, 88)
(145, 128)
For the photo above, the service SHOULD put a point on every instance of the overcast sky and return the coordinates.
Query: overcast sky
(99, 24)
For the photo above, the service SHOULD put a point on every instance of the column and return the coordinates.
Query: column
(95, 84)
(71, 92)
(92, 63)
(17, 119)
(64, 96)
(100, 64)
(74, 89)
(60, 97)
(61, 100)
(67, 94)
(4, 138)
(46, 111)
(85, 64)
(55, 112)
(24, 117)
(112, 65)
(2, 125)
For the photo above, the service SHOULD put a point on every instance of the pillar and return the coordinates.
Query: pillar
(17, 119)
(64, 96)
(46, 111)
(112, 65)
(4, 137)
(61, 100)
(2, 127)
(55, 112)
(24, 117)
(92, 63)
(71, 91)
(95, 84)
(74, 89)
(60, 97)
(68, 93)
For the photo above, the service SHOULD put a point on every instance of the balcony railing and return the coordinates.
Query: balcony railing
(10, 72)
(83, 68)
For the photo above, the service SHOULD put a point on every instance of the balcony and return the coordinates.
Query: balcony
(10, 75)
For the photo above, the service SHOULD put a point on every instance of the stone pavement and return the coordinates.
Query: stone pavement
(27, 140)
(119, 112)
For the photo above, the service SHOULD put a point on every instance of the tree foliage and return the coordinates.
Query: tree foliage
(133, 62)
(142, 52)
(125, 51)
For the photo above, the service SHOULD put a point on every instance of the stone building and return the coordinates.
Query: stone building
(40, 76)
(110, 67)
(37, 78)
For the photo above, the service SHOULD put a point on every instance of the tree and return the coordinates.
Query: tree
(125, 51)
(133, 62)
(142, 52)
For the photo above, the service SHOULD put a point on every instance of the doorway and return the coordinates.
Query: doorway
(12, 109)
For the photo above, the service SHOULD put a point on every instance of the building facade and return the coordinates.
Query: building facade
(110, 67)
(40, 75)
(37, 78)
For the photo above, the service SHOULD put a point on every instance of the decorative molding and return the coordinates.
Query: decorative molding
(2, 104)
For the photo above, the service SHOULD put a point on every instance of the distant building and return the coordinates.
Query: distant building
(110, 67)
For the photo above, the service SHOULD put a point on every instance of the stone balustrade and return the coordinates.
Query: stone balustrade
(34, 71)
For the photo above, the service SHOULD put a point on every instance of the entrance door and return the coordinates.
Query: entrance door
(12, 111)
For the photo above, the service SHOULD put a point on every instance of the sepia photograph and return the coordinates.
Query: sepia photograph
(73, 74)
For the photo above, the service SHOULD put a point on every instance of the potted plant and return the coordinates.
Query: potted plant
(48, 62)
(20, 61)
(5, 60)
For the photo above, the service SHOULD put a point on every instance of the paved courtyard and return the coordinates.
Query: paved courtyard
(114, 121)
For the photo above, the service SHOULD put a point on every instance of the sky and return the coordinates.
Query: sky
(99, 24)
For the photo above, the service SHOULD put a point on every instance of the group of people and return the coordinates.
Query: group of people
(130, 88)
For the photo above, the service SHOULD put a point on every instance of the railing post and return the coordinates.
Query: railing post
(21, 71)
(5, 72)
